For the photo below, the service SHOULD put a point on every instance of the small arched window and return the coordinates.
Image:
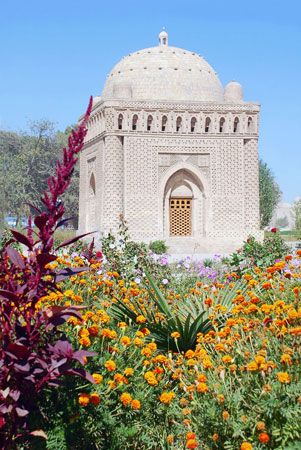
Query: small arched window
(164, 122)
(207, 124)
(179, 124)
(221, 124)
(250, 125)
(92, 186)
(134, 122)
(120, 120)
(192, 124)
(149, 123)
(236, 125)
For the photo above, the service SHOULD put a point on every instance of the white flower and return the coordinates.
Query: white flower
(164, 281)
(112, 246)
(137, 280)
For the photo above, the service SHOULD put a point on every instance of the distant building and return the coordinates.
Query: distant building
(174, 152)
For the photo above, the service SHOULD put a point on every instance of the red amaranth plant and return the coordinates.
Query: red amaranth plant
(34, 353)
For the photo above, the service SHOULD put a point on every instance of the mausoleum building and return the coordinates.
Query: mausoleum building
(172, 151)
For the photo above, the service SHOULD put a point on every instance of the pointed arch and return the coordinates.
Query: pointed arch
(180, 178)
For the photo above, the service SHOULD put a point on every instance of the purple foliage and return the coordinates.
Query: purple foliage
(33, 352)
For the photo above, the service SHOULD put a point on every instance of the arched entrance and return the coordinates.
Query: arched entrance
(184, 205)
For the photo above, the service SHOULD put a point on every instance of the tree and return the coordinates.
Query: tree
(269, 194)
(297, 211)
(26, 161)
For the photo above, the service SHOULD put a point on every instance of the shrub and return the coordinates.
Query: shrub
(158, 247)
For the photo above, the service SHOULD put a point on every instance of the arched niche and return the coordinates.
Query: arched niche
(183, 183)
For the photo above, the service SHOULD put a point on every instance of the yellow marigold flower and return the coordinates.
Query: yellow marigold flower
(125, 340)
(167, 397)
(126, 399)
(94, 398)
(246, 446)
(150, 378)
(220, 398)
(259, 359)
(202, 388)
(128, 372)
(122, 325)
(140, 319)
(69, 293)
(252, 366)
(111, 384)
(138, 342)
(286, 359)
(110, 365)
(175, 335)
(283, 377)
(135, 404)
(83, 399)
(227, 359)
(97, 378)
(139, 334)
(207, 363)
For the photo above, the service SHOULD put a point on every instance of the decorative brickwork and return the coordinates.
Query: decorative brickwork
(162, 132)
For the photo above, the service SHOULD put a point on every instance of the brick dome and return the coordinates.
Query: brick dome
(163, 73)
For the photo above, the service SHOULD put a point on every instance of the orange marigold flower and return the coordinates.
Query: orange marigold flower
(246, 446)
(191, 443)
(226, 415)
(202, 388)
(126, 399)
(175, 335)
(264, 438)
(110, 365)
(97, 378)
(94, 398)
(83, 399)
(85, 341)
(260, 426)
(167, 397)
(202, 378)
(190, 435)
(125, 340)
(283, 377)
(215, 437)
(135, 404)
(128, 372)
(170, 438)
(93, 330)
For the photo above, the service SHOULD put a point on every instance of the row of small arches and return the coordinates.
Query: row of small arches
(193, 124)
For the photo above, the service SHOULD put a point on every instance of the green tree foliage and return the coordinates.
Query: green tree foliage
(26, 161)
(269, 194)
(297, 211)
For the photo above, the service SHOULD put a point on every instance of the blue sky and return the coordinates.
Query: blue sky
(54, 54)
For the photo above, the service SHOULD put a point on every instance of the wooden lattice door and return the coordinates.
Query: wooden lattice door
(180, 216)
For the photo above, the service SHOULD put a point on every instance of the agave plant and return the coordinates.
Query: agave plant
(187, 319)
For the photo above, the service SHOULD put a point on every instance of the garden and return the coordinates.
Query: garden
(120, 348)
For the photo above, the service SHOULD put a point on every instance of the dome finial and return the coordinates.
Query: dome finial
(163, 37)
